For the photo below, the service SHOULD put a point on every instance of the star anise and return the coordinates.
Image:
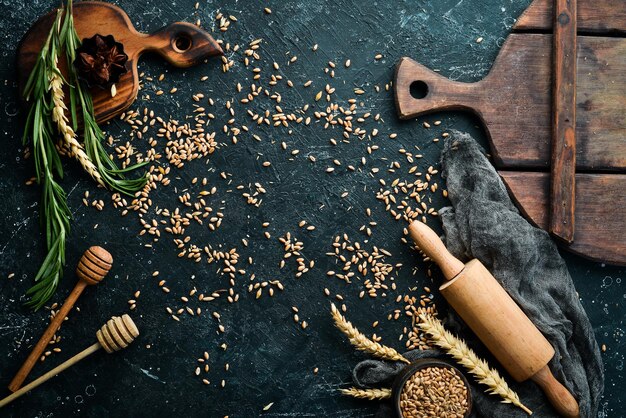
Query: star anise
(100, 61)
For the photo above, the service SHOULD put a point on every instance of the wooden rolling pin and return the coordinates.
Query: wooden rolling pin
(92, 267)
(496, 319)
(115, 335)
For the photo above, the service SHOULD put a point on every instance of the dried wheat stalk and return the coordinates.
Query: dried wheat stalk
(371, 394)
(361, 342)
(69, 136)
(458, 349)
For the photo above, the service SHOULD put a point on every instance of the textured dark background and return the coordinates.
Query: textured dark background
(270, 357)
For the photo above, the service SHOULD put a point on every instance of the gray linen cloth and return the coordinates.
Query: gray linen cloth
(483, 223)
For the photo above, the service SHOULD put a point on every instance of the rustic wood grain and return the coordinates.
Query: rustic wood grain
(600, 210)
(92, 17)
(594, 16)
(563, 166)
(514, 101)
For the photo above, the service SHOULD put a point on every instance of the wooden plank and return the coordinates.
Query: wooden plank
(600, 213)
(563, 166)
(514, 101)
(594, 16)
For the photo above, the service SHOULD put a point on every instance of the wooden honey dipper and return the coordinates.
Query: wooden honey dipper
(115, 335)
(496, 319)
(92, 267)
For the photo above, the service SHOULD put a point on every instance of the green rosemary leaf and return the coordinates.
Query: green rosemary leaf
(29, 122)
(73, 111)
(128, 169)
(36, 75)
(70, 43)
(49, 274)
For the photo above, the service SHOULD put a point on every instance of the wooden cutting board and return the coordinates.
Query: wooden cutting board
(514, 103)
(181, 44)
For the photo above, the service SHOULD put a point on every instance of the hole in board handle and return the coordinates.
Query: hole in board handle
(418, 89)
(181, 43)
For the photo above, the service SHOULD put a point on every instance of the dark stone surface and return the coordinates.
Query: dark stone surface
(271, 358)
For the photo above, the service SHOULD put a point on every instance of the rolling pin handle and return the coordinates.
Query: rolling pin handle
(430, 243)
(558, 395)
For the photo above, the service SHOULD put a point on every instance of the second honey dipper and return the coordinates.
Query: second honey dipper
(113, 336)
(496, 319)
(92, 267)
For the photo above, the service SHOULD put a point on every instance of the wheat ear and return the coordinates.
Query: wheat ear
(371, 394)
(361, 342)
(69, 136)
(458, 349)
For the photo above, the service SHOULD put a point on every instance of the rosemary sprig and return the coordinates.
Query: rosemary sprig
(46, 118)
(54, 214)
(93, 137)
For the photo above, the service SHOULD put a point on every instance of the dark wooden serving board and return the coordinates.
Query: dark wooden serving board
(514, 103)
(181, 44)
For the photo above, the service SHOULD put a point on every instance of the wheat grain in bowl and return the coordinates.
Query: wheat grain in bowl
(431, 388)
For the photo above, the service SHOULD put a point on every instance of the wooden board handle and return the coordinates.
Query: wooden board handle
(182, 44)
(420, 90)
(558, 395)
(428, 241)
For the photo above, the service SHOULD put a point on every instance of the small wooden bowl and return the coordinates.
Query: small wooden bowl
(411, 369)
